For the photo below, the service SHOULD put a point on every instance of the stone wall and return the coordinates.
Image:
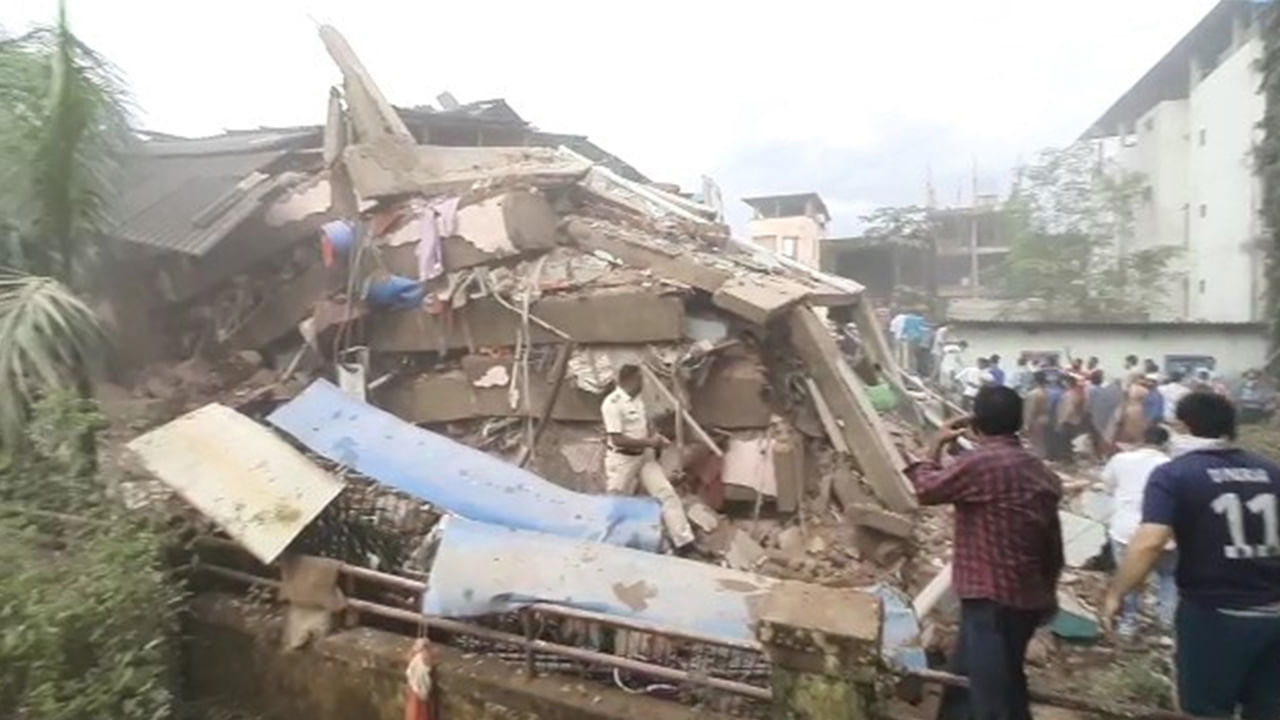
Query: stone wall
(234, 661)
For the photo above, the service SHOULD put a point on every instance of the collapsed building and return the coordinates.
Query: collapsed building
(408, 287)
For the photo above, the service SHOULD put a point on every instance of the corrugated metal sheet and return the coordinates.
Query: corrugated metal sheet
(167, 194)
(480, 569)
(182, 195)
(457, 478)
(259, 489)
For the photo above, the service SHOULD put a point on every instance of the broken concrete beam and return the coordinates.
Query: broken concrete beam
(880, 548)
(890, 523)
(758, 297)
(788, 470)
(869, 441)
(733, 395)
(846, 488)
(279, 313)
(678, 267)
(437, 169)
(622, 316)
(829, 424)
(646, 201)
(455, 395)
(373, 116)
(510, 225)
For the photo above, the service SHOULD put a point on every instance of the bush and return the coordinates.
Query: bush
(88, 612)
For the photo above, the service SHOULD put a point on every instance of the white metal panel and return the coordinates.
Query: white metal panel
(242, 476)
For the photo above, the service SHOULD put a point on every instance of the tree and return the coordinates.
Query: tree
(1267, 159)
(1072, 226)
(64, 121)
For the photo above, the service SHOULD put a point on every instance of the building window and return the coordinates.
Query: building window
(1149, 124)
(789, 243)
(1204, 210)
(1202, 136)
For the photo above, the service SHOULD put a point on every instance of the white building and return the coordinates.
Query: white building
(1189, 126)
(1228, 348)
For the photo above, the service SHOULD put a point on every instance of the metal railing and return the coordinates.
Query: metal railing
(745, 656)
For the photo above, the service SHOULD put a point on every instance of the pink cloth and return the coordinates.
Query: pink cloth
(438, 221)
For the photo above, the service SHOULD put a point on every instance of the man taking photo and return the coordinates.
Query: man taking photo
(1008, 552)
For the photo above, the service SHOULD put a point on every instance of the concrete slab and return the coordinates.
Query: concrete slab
(621, 316)
(758, 298)
(436, 169)
(868, 439)
(280, 313)
(453, 395)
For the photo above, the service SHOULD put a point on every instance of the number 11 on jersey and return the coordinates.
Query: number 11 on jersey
(1264, 504)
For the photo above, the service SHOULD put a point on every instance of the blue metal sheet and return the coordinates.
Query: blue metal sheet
(457, 478)
(481, 569)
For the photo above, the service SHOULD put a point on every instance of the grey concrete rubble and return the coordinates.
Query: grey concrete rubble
(521, 278)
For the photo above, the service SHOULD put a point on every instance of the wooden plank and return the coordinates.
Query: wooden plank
(866, 436)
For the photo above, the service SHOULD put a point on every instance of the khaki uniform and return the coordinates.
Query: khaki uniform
(626, 416)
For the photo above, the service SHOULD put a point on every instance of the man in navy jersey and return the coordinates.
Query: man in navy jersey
(1219, 503)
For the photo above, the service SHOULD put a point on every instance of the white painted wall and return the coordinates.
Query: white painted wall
(1235, 348)
(1221, 264)
(1223, 259)
(1159, 153)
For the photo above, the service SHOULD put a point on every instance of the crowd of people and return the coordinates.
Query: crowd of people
(1064, 405)
(1190, 506)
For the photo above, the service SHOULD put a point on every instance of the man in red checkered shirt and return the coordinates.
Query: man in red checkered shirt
(1007, 556)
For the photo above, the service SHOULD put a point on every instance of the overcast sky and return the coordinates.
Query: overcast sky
(854, 99)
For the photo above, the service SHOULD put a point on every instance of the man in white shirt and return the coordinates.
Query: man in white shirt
(1173, 390)
(972, 379)
(1126, 476)
(631, 455)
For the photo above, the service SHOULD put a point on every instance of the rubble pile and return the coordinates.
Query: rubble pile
(492, 293)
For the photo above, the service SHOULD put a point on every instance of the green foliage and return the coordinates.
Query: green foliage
(64, 123)
(88, 613)
(913, 224)
(1141, 681)
(49, 340)
(1071, 223)
(1267, 160)
(85, 631)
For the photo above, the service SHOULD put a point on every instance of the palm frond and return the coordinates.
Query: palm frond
(49, 339)
(64, 125)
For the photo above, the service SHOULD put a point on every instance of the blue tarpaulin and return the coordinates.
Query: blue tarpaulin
(482, 569)
(458, 478)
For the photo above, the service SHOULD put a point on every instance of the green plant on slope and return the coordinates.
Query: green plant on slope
(88, 612)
